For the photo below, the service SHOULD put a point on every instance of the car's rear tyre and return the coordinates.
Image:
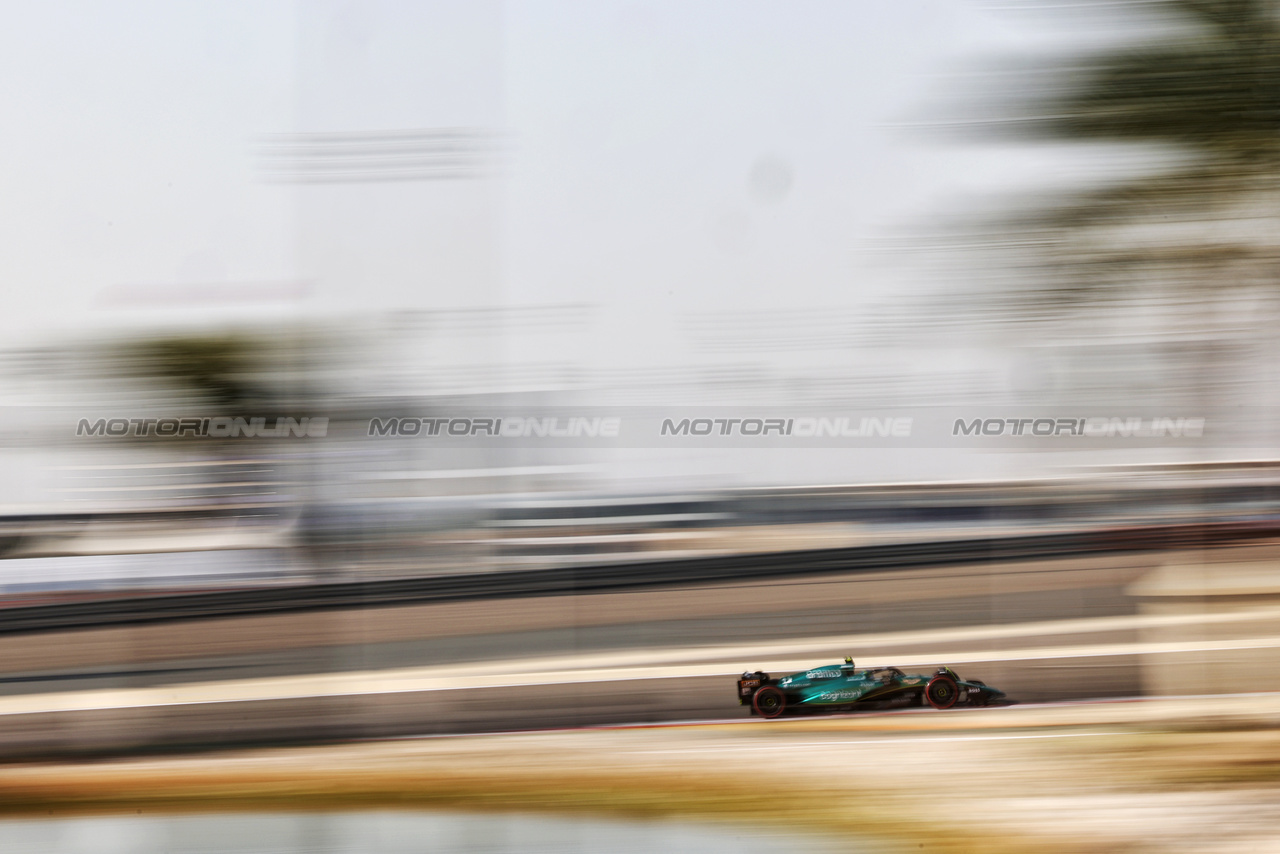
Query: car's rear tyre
(942, 692)
(769, 702)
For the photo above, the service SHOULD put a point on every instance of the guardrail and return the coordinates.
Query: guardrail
(137, 610)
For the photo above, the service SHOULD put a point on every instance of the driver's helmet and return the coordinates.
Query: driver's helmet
(848, 659)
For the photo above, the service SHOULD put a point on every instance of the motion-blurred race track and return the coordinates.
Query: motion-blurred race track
(1041, 630)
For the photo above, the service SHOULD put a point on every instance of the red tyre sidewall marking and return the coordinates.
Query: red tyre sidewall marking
(756, 705)
(955, 692)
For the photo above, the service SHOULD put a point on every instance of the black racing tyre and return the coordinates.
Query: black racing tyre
(942, 692)
(769, 702)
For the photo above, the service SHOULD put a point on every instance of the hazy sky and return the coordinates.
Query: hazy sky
(658, 157)
(655, 160)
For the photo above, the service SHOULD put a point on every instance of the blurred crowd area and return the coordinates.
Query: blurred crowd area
(165, 502)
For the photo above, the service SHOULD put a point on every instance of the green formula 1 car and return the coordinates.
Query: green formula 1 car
(843, 687)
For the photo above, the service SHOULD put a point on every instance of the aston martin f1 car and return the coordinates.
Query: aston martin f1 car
(843, 687)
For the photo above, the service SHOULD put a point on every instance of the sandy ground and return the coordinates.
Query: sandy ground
(1154, 775)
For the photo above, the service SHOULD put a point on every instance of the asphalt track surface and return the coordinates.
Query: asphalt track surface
(1042, 630)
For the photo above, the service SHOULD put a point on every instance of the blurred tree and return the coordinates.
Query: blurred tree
(1204, 86)
(1154, 278)
(235, 374)
(244, 372)
(211, 368)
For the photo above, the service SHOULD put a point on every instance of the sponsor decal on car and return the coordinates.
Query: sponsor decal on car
(836, 696)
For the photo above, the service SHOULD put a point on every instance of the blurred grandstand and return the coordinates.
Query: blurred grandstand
(200, 544)
(96, 515)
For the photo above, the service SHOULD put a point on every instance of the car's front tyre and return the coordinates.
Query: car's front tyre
(942, 692)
